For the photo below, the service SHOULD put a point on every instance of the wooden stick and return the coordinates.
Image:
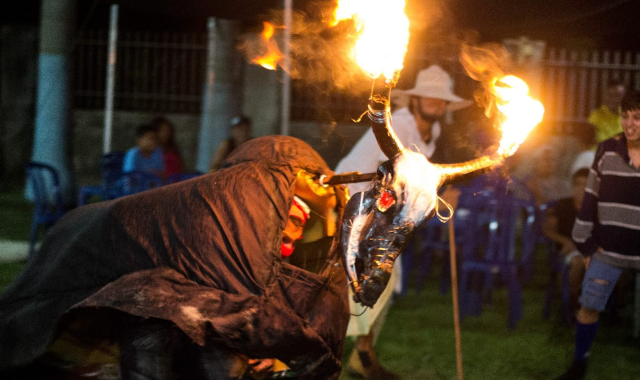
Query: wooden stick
(454, 294)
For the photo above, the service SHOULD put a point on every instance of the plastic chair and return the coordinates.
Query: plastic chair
(500, 258)
(134, 182)
(434, 237)
(182, 177)
(111, 170)
(48, 204)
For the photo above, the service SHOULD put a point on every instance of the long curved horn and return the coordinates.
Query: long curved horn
(381, 125)
(451, 173)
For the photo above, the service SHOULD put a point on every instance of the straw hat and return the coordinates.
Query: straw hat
(434, 82)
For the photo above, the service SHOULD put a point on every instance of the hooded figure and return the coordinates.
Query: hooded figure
(203, 255)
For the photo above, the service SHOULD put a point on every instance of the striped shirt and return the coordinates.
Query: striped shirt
(610, 214)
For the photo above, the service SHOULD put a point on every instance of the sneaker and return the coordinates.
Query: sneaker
(577, 371)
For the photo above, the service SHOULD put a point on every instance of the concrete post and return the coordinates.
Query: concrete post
(53, 105)
(222, 95)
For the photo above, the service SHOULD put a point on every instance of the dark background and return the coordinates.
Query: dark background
(581, 24)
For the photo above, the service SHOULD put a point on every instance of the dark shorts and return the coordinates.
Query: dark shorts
(594, 293)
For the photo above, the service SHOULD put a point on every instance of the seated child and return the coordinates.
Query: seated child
(146, 156)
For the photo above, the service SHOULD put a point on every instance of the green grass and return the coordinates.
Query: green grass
(418, 340)
(15, 214)
(15, 222)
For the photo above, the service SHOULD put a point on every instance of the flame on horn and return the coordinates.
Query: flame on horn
(383, 35)
(520, 113)
(269, 60)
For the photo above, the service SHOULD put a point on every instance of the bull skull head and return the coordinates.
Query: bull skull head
(378, 222)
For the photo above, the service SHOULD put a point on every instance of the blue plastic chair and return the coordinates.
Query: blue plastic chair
(134, 182)
(500, 257)
(433, 236)
(111, 170)
(48, 205)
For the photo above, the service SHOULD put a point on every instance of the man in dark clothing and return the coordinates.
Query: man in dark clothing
(186, 276)
(558, 226)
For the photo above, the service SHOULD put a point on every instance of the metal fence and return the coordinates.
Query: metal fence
(162, 72)
(155, 71)
(573, 82)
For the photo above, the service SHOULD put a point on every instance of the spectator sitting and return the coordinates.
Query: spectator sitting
(606, 118)
(240, 132)
(171, 156)
(558, 226)
(146, 156)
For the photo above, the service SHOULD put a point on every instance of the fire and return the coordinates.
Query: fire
(273, 55)
(383, 35)
(520, 112)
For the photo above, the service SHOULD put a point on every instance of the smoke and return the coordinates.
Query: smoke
(319, 52)
(484, 63)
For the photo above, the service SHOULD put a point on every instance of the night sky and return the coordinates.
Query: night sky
(583, 24)
(568, 23)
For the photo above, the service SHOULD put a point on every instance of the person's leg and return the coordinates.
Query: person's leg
(363, 361)
(576, 273)
(598, 284)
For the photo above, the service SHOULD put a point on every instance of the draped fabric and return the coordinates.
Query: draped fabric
(204, 254)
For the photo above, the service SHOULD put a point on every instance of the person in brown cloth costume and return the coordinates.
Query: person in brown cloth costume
(186, 280)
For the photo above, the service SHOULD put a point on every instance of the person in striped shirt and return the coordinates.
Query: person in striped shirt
(607, 229)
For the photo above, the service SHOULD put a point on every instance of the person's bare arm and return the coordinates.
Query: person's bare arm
(220, 154)
(550, 229)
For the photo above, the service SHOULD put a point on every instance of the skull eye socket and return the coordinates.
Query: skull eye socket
(385, 201)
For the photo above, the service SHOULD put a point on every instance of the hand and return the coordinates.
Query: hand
(568, 246)
(260, 368)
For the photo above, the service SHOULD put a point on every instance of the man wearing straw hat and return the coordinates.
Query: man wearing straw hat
(418, 127)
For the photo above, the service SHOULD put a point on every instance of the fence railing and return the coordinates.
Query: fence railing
(573, 82)
(158, 72)
(162, 72)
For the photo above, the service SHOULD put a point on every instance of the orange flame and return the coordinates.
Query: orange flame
(520, 112)
(273, 55)
(383, 35)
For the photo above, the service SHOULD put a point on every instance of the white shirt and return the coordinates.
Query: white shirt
(366, 155)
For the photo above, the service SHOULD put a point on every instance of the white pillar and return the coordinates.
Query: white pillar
(111, 78)
(53, 105)
(222, 94)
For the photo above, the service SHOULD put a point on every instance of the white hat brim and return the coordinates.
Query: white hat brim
(455, 102)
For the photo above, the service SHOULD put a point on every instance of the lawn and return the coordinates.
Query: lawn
(15, 221)
(417, 340)
(15, 213)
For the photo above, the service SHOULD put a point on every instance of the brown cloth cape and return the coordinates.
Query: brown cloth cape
(204, 254)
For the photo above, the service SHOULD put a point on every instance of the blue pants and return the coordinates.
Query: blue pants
(598, 284)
